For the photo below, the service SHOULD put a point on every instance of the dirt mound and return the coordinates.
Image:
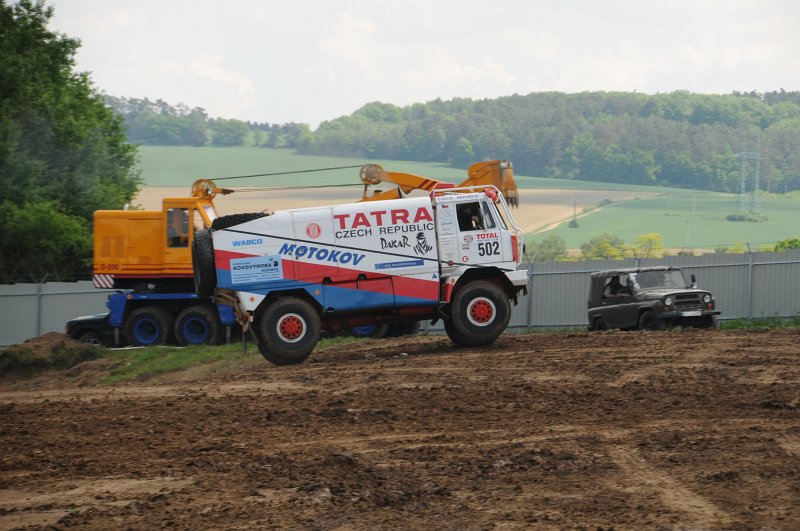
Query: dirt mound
(52, 350)
(664, 430)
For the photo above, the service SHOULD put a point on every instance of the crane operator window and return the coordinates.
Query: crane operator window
(177, 227)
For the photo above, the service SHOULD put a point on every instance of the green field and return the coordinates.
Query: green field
(181, 166)
(685, 218)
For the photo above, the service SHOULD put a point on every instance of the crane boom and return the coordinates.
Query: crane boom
(498, 173)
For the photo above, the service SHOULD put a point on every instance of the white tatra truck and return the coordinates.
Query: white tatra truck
(452, 254)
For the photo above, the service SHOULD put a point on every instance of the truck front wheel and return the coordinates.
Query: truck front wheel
(148, 326)
(197, 325)
(480, 311)
(288, 330)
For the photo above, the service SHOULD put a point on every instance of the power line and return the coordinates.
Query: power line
(286, 172)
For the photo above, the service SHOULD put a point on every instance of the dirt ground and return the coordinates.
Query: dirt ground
(660, 430)
(538, 208)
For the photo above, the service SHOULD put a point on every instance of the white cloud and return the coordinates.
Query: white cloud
(311, 60)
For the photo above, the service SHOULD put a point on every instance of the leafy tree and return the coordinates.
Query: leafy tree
(229, 132)
(607, 246)
(649, 245)
(788, 243)
(551, 248)
(39, 241)
(61, 147)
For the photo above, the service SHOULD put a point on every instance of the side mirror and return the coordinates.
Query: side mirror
(694, 282)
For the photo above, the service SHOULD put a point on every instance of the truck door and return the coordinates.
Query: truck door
(314, 256)
(479, 235)
(177, 254)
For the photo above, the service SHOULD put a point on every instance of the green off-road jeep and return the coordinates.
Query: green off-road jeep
(651, 298)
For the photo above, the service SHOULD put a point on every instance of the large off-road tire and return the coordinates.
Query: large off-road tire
(205, 271)
(479, 312)
(649, 321)
(374, 331)
(288, 329)
(235, 219)
(599, 324)
(198, 325)
(149, 326)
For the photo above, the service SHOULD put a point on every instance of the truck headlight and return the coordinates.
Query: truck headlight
(668, 301)
(706, 298)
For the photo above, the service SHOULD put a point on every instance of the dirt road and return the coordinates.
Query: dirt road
(630, 430)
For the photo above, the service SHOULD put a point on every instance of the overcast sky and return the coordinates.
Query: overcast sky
(308, 61)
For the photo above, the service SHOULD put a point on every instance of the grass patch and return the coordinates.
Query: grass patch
(761, 323)
(145, 363)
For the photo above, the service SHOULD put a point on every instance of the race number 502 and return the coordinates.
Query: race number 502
(488, 248)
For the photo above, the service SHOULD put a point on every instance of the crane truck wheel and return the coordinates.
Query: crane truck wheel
(197, 325)
(375, 331)
(235, 219)
(403, 328)
(205, 272)
(149, 326)
(479, 312)
(288, 329)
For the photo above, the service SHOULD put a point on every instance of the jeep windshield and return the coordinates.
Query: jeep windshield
(659, 279)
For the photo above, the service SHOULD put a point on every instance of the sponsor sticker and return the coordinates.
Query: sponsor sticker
(395, 265)
(256, 269)
(313, 230)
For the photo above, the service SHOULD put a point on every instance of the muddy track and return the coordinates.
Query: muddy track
(680, 429)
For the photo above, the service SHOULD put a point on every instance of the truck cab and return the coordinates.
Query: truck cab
(134, 248)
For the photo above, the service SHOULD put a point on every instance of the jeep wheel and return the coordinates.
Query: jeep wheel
(288, 329)
(480, 311)
(649, 321)
(599, 325)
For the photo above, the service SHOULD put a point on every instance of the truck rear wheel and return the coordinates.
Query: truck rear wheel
(288, 330)
(205, 271)
(197, 325)
(403, 328)
(480, 311)
(375, 331)
(148, 326)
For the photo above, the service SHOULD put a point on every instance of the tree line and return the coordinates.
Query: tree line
(677, 139)
(159, 123)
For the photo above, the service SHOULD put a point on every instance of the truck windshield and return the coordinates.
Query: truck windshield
(660, 279)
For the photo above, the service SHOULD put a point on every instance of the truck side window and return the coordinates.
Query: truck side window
(177, 227)
(488, 219)
(469, 216)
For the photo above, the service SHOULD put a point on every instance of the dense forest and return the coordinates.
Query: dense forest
(677, 139)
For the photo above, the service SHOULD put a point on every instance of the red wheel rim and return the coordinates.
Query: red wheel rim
(291, 327)
(481, 311)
